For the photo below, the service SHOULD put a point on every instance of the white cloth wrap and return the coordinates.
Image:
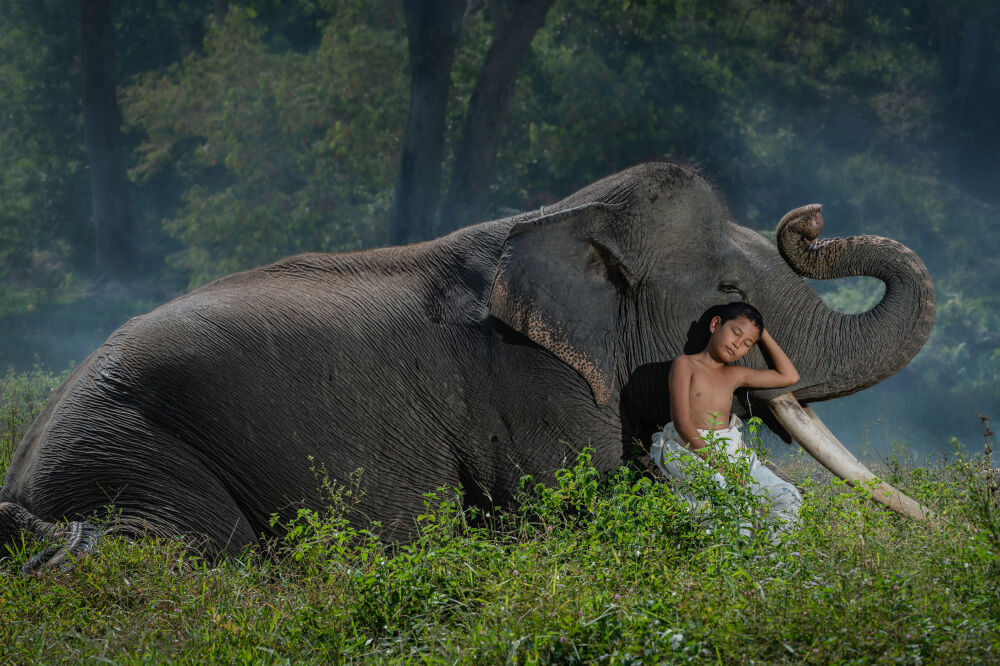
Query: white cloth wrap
(781, 500)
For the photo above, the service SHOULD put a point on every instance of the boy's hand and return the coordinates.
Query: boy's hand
(783, 374)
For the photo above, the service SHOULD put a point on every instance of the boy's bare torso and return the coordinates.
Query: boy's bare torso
(711, 393)
(702, 385)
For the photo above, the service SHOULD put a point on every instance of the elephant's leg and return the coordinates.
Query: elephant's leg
(78, 538)
(152, 483)
(198, 507)
(200, 510)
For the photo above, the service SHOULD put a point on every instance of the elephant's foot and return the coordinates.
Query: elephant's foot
(78, 538)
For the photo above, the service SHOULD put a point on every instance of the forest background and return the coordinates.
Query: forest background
(254, 130)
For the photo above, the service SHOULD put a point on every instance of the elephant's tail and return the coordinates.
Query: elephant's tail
(77, 538)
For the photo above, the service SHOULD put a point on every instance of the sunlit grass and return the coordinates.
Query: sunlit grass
(593, 570)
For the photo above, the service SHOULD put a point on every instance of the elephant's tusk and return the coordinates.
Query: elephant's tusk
(807, 429)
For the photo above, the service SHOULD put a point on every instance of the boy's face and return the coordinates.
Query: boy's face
(731, 340)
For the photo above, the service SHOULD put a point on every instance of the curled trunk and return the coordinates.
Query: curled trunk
(868, 347)
(861, 349)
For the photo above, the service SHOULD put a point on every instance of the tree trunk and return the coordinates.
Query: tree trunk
(221, 9)
(484, 120)
(962, 50)
(113, 222)
(971, 65)
(433, 28)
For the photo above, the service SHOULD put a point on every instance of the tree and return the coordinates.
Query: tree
(114, 225)
(433, 33)
(432, 27)
(43, 179)
(268, 152)
(476, 153)
(221, 9)
(969, 34)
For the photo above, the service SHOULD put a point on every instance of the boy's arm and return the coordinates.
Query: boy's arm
(680, 403)
(783, 373)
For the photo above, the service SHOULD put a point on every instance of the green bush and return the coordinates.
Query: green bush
(592, 569)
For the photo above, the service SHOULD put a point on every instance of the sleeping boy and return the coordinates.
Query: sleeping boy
(701, 394)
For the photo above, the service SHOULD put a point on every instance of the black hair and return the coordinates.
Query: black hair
(738, 309)
(698, 332)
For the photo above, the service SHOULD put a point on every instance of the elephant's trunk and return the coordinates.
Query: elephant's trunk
(803, 424)
(860, 349)
(872, 345)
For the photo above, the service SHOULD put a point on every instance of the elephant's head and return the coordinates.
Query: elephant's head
(613, 279)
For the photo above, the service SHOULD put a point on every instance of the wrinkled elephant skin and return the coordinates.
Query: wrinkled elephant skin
(497, 351)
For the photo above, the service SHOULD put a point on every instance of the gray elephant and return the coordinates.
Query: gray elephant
(471, 360)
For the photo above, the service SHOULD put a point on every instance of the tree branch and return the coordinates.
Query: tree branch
(484, 120)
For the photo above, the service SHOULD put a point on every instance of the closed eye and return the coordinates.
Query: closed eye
(730, 288)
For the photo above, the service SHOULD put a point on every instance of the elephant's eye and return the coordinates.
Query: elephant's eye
(728, 287)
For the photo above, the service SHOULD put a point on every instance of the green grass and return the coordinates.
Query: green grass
(594, 570)
(22, 397)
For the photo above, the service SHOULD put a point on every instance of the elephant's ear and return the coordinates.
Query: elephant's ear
(559, 282)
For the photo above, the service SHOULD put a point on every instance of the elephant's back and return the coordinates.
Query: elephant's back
(239, 383)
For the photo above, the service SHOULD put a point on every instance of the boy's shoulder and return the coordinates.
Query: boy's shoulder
(681, 362)
(689, 364)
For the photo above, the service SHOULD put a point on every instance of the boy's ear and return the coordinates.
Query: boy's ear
(714, 324)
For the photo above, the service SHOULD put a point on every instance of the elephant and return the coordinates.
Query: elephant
(494, 352)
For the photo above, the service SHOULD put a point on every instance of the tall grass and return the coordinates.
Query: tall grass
(591, 570)
(22, 397)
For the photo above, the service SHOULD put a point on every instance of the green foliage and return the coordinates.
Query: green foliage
(279, 132)
(274, 153)
(43, 179)
(607, 87)
(590, 570)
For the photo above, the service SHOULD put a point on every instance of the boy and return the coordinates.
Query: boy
(701, 394)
